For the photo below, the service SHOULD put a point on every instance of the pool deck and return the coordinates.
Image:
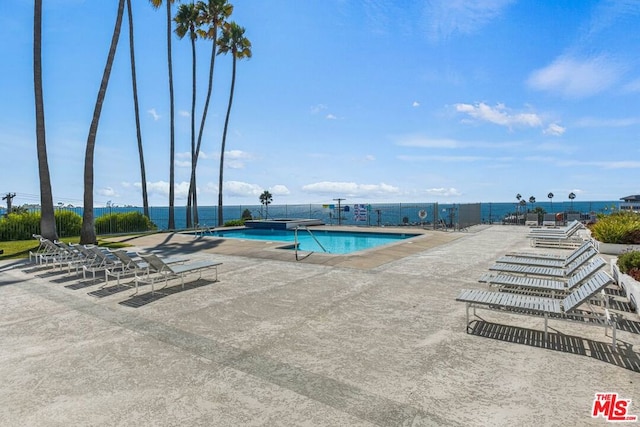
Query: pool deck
(370, 339)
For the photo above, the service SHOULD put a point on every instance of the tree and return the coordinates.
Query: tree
(572, 196)
(88, 231)
(550, 196)
(265, 199)
(172, 149)
(234, 41)
(143, 174)
(212, 13)
(47, 218)
(186, 21)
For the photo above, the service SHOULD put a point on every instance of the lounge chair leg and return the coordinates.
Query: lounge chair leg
(467, 324)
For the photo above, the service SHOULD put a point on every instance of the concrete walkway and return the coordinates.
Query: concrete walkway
(372, 339)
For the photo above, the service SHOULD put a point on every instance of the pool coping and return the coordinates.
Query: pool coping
(186, 242)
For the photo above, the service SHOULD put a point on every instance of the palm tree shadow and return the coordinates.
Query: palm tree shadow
(624, 355)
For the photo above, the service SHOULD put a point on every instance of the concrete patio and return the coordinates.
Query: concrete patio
(362, 340)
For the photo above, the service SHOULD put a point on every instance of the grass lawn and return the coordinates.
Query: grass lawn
(20, 248)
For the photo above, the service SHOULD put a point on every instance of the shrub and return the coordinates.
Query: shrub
(246, 215)
(620, 227)
(23, 225)
(234, 223)
(123, 222)
(629, 263)
(68, 223)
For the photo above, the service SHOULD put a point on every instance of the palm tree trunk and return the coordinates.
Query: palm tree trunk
(47, 218)
(224, 141)
(191, 199)
(143, 174)
(88, 231)
(204, 114)
(172, 221)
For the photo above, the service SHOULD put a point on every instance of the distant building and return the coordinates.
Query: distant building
(630, 204)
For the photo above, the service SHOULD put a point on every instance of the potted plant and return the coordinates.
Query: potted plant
(616, 233)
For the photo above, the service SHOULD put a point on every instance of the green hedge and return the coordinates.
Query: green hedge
(619, 227)
(22, 226)
(126, 222)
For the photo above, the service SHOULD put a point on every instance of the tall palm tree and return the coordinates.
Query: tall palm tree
(88, 231)
(143, 174)
(186, 21)
(47, 217)
(212, 13)
(234, 41)
(265, 199)
(172, 150)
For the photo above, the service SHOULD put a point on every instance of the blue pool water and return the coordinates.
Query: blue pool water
(334, 242)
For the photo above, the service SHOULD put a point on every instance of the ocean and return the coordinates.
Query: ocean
(384, 214)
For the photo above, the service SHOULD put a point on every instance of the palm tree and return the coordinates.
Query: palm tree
(234, 41)
(532, 200)
(88, 231)
(47, 217)
(265, 199)
(143, 174)
(519, 198)
(550, 196)
(172, 150)
(213, 13)
(186, 21)
(572, 196)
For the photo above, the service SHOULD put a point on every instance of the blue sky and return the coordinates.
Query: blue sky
(375, 101)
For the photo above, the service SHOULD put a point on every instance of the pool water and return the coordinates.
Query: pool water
(334, 242)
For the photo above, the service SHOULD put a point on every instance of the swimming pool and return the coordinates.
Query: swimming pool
(334, 242)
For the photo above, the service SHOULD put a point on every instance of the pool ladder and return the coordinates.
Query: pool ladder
(202, 230)
(295, 242)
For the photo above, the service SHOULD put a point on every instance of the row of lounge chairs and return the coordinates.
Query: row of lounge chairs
(142, 268)
(566, 237)
(567, 288)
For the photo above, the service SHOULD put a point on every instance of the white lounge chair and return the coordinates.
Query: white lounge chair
(556, 287)
(561, 309)
(549, 262)
(585, 245)
(132, 265)
(537, 270)
(160, 270)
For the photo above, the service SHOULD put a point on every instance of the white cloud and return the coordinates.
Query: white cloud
(554, 129)
(350, 189)
(154, 114)
(369, 158)
(241, 189)
(499, 115)
(443, 192)
(161, 188)
(279, 190)
(315, 109)
(107, 192)
(576, 78)
(184, 113)
(331, 117)
(447, 17)
(415, 104)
